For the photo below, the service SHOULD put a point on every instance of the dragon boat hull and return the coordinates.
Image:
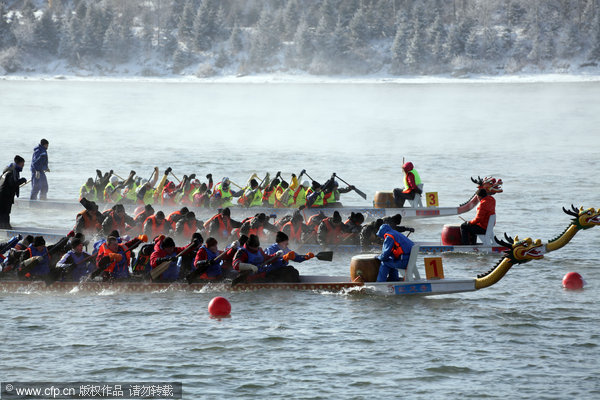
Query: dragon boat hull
(307, 283)
(242, 212)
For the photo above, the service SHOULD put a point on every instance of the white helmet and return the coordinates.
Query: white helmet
(114, 179)
(305, 183)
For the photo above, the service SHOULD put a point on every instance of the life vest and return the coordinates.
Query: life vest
(149, 196)
(295, 234)
(214, 271)
(89, 222)
(116, 269)
(397, 249)
(225, 195)
(117, 223)
(254, 258)
(189, 228)
(299, 198)
(269, 196)
(89, 193)
(223, 225)
(43, 267)
(251, 198)
(111, 195)
(319, 200)
(333, 233)
(130, 193)
(417, 179)
(157, 228)
(314, 221)
(174, 217)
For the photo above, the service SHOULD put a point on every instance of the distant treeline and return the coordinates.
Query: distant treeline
(352, 37)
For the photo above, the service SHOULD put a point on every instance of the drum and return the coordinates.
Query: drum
(451, 235)
(384, 199)
(366, 266)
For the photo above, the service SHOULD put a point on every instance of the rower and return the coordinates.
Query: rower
(257, 225)
(479, 224)
(111, 191)
(76, 263)
(187, 226)
(251, 261)
(221, 225)
(252, 196)
(412, 185)
(300, 194)
(155, 225)
(353, 225)
(35, 260)
(166, 251)
(296, 227)
(280, 270)
(88, 220)
(222, 195)
(330, 230)
(176, 216)
(208, 252)
(395, 253)
(88, 191)
(116, 218)
(113, 257)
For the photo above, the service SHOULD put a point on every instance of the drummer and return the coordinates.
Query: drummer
(395, 253)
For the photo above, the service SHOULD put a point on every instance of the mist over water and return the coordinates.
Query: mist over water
(524, 337)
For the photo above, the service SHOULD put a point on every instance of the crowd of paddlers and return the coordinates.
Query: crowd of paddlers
(169, 190)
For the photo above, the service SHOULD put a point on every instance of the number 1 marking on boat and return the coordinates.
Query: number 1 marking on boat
(434, 268)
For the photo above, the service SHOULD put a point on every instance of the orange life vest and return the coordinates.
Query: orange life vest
(397, 249)
(295, 234)
(157, 228)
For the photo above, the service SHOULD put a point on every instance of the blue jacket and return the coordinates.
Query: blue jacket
(81, 270)
(387, 257)
(39, 161)
(43, 268)
(274, 248)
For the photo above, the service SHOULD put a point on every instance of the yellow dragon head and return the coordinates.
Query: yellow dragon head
(491, 185)
(522, 251)
(584, 219)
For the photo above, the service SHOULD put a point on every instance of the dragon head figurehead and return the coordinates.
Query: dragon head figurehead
(491, 185)
(584, 219)
(521, 251)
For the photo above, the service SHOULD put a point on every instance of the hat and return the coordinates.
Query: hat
(160, 215)
(149, 208)
(184, 210)
(243, 239)
(76, 242)
(305, 183)
(337, 218)
(226, 211)
(168, 242)
(211, 241)
(115, 234)
(197, 236)
(281, 237)
(114, 179)
(90, 181)
(253, 241)
(38, 241)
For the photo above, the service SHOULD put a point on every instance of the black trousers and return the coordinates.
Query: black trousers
(469, 232)
(400, 197)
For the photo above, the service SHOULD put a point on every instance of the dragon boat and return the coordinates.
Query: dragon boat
(363, 270)
(381, 208)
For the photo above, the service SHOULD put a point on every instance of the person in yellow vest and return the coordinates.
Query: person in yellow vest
(252, 196)
(88, 190)
(111, 191)
(412, 180)
(222, 195)
(299, 197)
(315, 195)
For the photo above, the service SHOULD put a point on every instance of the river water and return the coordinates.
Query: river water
(525, 337)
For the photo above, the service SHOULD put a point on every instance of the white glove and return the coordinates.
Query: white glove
(279, 253)
(37, 174)
(248, 267)
(234, 245)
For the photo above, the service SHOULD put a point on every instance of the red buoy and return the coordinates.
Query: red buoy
(572, 281)
(219, 307)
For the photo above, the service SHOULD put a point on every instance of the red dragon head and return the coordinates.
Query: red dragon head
(490, 184)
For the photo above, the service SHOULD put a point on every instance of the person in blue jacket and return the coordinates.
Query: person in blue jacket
(76, 263)
(39, 167)
(395, 253)
(281, 243)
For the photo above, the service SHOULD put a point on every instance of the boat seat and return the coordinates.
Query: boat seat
(416, 201)
(412, 273)
(488, 238)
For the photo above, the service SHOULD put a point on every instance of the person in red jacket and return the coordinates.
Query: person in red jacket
(478, 225)
(412, 180)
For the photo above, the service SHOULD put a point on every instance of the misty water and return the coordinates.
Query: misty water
(524, 337)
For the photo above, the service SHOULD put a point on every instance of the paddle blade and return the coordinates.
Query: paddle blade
(360, 193)
(156, 272)
(325, 255)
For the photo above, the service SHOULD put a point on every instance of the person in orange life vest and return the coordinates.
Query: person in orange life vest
(479, 224)
(155, 225)
(411, 185)
(221, 225)
(141, 215)
(354, 226)
(282, 242)
(330, 230)
(116, 219)
(168, 194)
(268, 198)
(187, 226)
(257, 226)
(166, 251)
(114, 257)
(296, 227)
(88, 220)
(176, 216)
(395, 253)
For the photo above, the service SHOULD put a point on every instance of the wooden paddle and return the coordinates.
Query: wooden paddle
(324, 255)
(359, 192)
(158, 270)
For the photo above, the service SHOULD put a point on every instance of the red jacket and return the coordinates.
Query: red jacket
(159, 252)
(486, 207)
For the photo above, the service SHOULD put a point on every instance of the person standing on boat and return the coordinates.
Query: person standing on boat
(412, 180)
(39, 167)
(395, 253)
(478, 225)
(10, 181)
